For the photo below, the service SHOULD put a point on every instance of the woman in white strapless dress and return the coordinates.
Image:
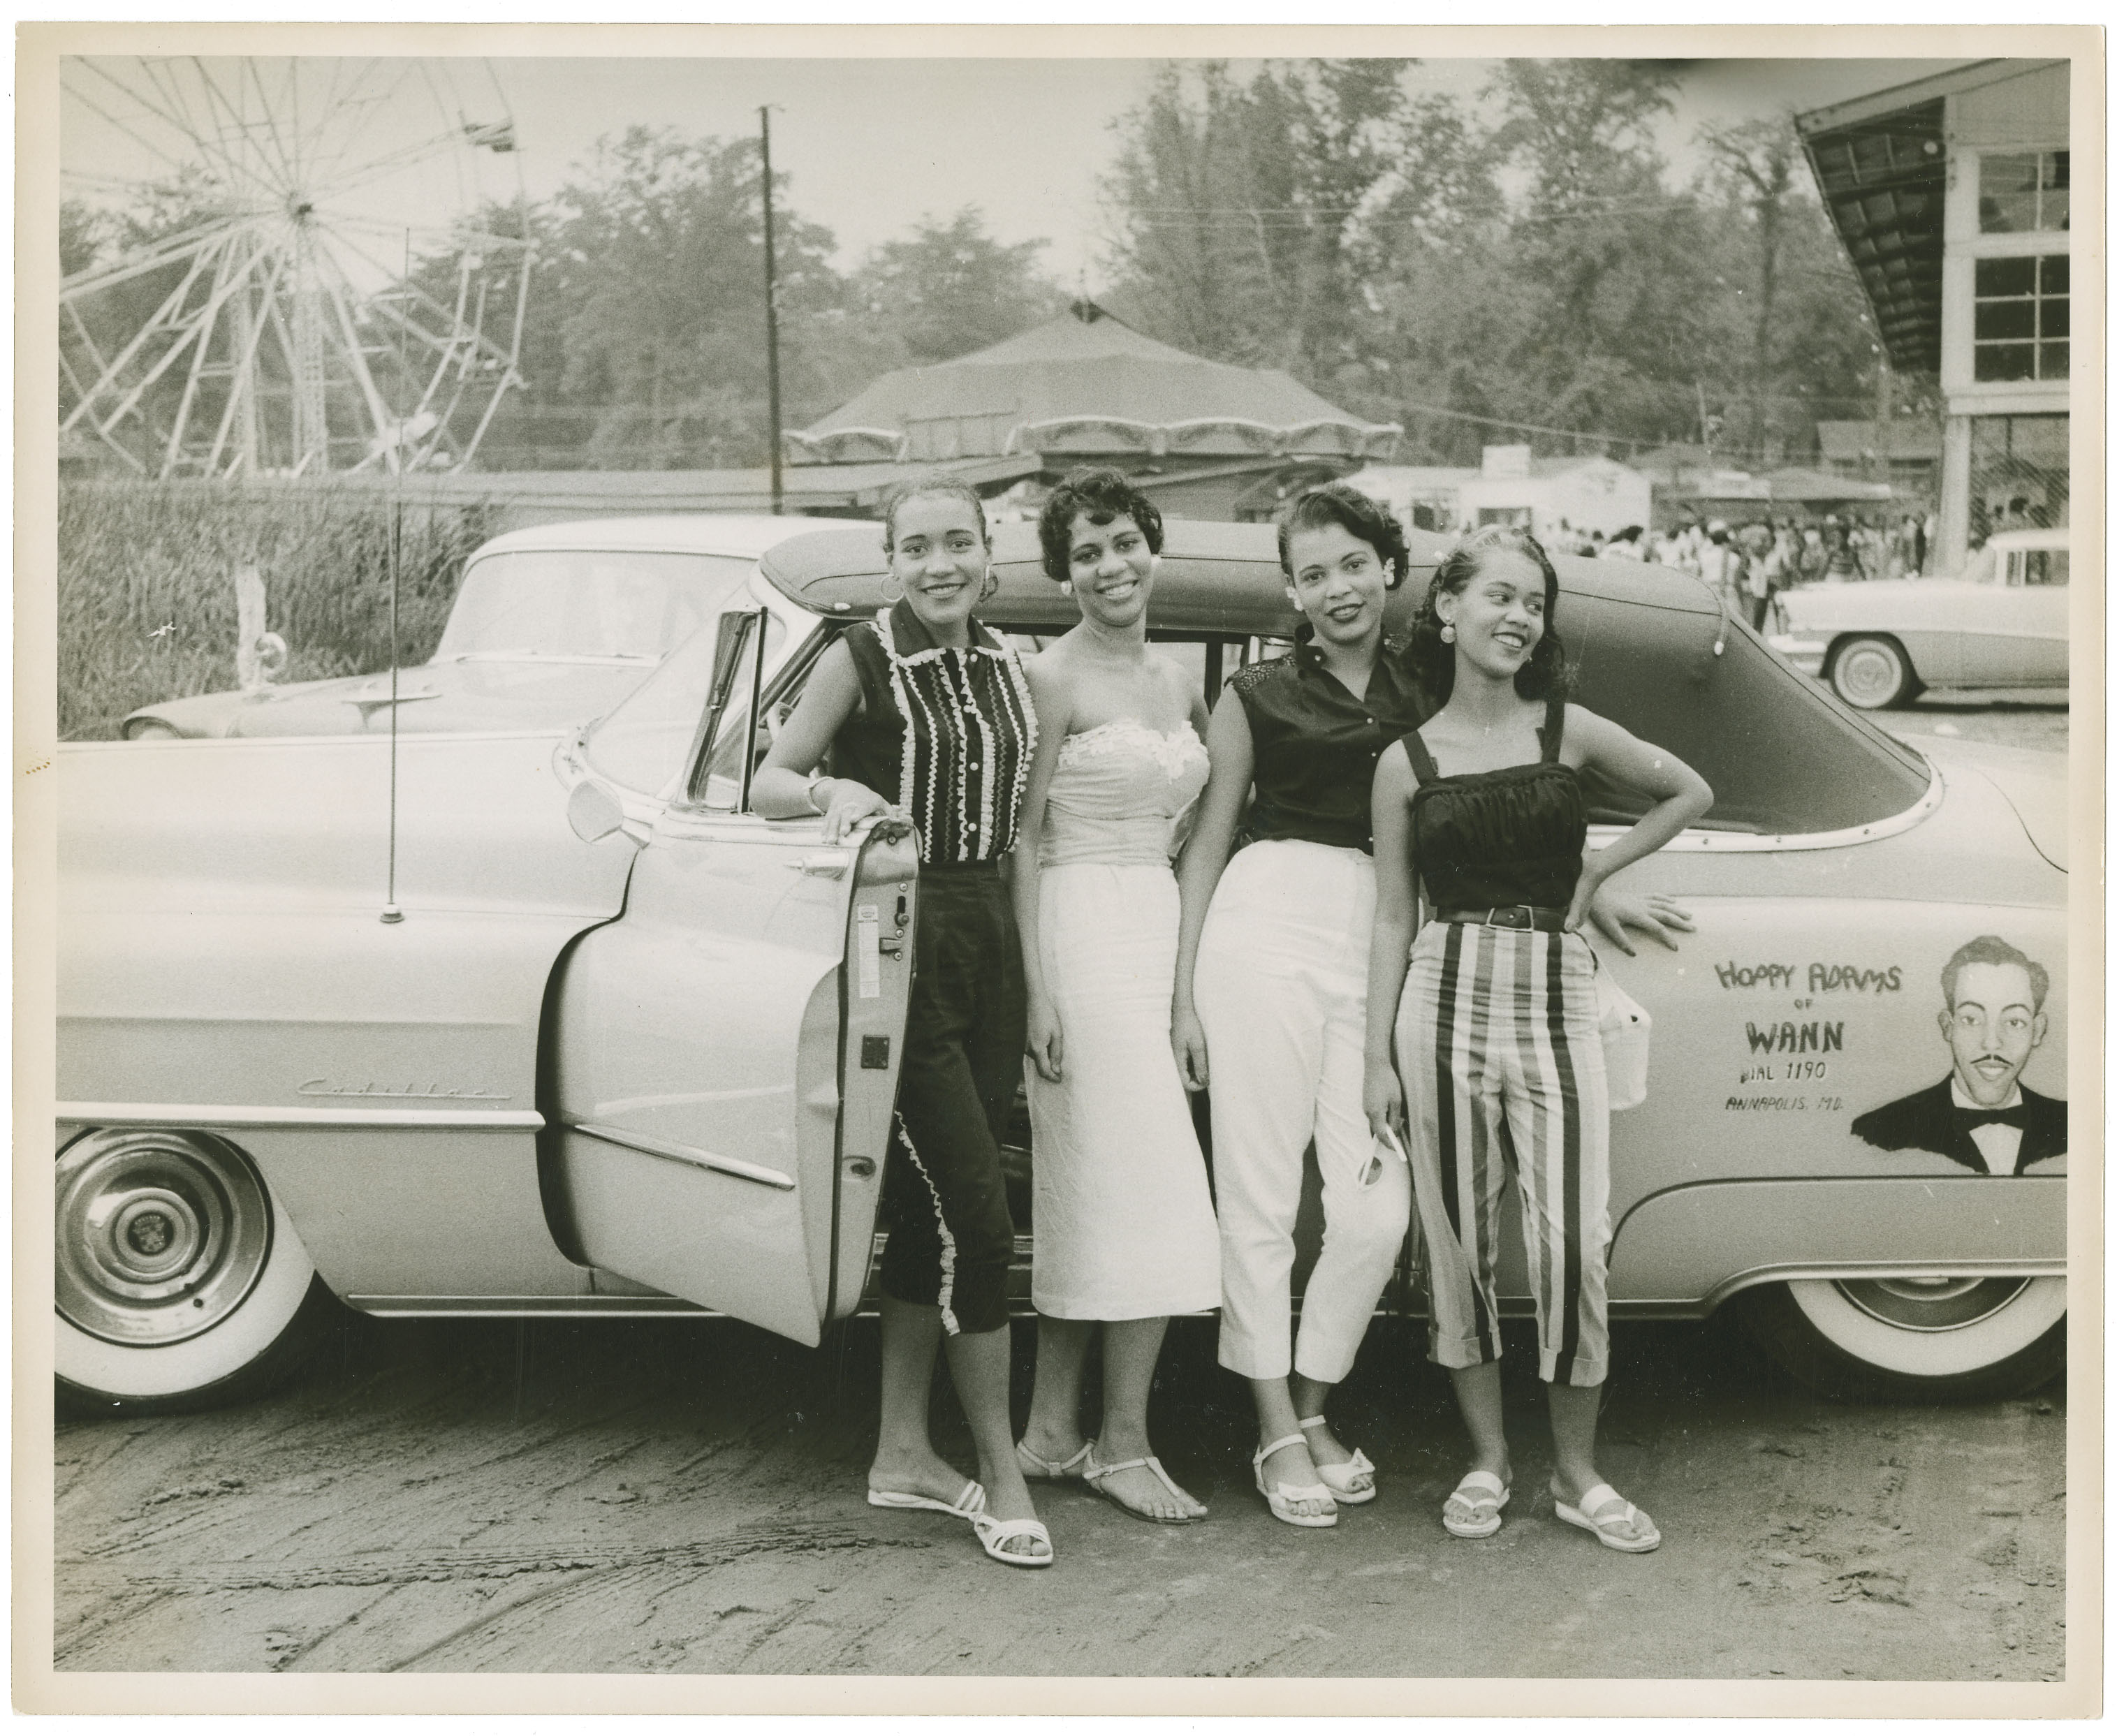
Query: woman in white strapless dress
(1124, 1218)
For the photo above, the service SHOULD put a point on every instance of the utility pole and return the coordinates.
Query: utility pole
(1885, 414)
(771, 317)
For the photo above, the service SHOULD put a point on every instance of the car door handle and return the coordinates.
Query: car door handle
(830, 865)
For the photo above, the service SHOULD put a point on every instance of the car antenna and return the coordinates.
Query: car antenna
(391, 911)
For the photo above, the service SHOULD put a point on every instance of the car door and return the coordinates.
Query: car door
(724, 1060)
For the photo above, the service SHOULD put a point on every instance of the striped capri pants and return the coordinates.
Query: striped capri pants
(1501, 1062)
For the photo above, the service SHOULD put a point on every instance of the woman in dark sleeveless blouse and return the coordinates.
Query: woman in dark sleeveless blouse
(924, 712)
(1495, 1031)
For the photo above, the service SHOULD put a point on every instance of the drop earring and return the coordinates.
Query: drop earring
(1447, 633)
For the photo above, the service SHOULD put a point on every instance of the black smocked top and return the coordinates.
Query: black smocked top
(1509, 837)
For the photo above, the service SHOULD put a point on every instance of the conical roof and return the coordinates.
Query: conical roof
(1085, 383)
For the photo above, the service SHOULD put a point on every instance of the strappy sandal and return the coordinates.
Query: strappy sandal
(1596, 1513)
(1338, 1479)
(992, 1532)
(1281, 1497)
(1095, 1472)
(1484, 1495)
(1041, 1470)
(967, 1505)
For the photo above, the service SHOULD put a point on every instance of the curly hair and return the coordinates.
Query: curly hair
(1337, 503)
(919, 488)
(1547, 674)
(1099, 495)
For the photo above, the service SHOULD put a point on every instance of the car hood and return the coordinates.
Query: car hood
(189, 825)
(477, 694)
(2033, 783)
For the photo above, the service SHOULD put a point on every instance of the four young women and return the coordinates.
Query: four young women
(1271, 964)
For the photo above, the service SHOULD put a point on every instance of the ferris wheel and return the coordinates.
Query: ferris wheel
(300, 265)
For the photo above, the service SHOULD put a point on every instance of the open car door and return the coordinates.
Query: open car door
(725, 1056)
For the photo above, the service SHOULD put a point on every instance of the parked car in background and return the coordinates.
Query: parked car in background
(631, 1049)
(2001, 623)
(550, 625)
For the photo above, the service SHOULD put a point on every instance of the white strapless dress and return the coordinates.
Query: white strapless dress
(1124, 1222)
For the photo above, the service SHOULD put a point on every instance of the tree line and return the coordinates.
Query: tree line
(1524, 267)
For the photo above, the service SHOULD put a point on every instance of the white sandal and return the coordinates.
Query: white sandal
(1485, 1495)
(1096, 1470)
(1596, 1514)
(1039, 1469)
(1280, 1497)
(992, 1532)
(967, 1505)
(1338, 1479)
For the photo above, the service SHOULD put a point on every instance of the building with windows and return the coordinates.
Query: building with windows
(1583, 492)
(1952, 196)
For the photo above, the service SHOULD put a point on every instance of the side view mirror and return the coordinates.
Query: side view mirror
(592, 811)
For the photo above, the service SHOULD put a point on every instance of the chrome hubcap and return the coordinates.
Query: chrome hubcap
(1931, 1304)
(1868, 676)
(161, 1236)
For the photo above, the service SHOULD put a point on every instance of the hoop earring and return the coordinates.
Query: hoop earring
(889, 601)
(1447, 633)
(990, 587)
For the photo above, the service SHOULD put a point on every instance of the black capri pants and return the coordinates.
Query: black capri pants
(951, 1237)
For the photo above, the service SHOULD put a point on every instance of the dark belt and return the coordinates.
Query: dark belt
(1510, 916)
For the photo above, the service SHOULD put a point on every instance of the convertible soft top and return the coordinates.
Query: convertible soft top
(1651, 648)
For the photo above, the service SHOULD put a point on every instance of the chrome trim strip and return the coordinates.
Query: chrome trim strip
(547, 1307)
(2014, 1266)
(650, 1147)
(1703, 842)
(247, 1115)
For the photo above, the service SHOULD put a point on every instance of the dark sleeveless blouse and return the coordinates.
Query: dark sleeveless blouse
(947, 733)
(1509, 837)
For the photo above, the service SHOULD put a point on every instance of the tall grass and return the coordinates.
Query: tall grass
(136, 557)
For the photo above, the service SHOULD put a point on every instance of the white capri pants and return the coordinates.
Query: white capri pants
(1281, 989)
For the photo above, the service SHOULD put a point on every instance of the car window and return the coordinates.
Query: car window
(642, 742)
(588, 602)
(2038, 567)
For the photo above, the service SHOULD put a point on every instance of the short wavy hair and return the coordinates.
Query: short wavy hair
(1547, 675)
(918, 489)
(1357, 514)
(1099, 495)
(1988, 949)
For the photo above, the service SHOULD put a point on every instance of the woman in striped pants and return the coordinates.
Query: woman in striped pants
(1494, 1025)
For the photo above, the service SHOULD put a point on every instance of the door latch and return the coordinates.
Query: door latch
(830, 866)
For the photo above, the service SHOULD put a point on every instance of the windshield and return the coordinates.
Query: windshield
(588, 603)
(641, 744)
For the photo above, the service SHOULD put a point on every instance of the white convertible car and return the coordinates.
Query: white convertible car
(631, 1049)
(2002, 623)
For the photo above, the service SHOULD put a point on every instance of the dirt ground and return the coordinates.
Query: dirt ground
(681, 1496)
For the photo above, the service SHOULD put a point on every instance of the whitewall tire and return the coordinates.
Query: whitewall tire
(181, 1281)
(1918, 1338)
(1872, 672)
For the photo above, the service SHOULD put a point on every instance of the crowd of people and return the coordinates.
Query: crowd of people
(1145, 898)
(1750, 563)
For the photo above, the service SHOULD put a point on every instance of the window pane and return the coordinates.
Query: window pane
(2006, 277)
(2007, 193)
(2006, 361)
(2006, 319)
(2057, 316)
(2054, 361)
(2057, 211)
(2057, 275)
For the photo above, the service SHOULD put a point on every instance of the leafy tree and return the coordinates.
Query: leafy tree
(948, 288)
